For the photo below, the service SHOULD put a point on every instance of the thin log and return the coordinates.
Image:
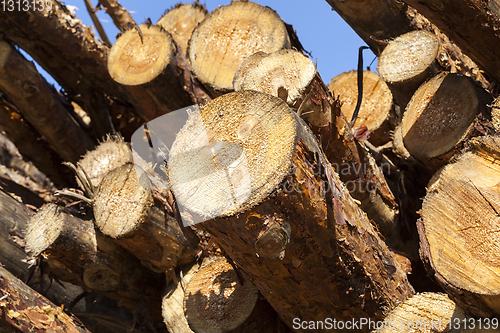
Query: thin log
(408, 61)
(228, 35)
(148, 59)
(471, 24)
(40, 105)
(376, 104)
(28, 311)
(458, 229)
(181, 20)
(121, 17)
(258, 163)
(125, 208)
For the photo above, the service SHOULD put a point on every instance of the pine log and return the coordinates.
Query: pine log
(228, 35)
(126, 209)
(216, 299)
(439, 115)
(108, 155)
(181, 20)
(286, 69)
(376, 102)
(121, 17)
(471, 24)
(458, 229)
(79, 255)
(40, 105)
(408, 61)
(261, 166)
(293, 77)
(28, 311)
(30, 144)
(148, 58)
(425, 312)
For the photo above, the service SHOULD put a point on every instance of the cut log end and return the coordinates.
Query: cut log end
(112, 153)
(237, 149)
(43, 229)
(181, 21)
(439, 114)
(460, 225)
(229, 35)
(139, 57)
(408, 56)
(245, 67)
(285, 68)
(376, 102)
(114, 215)
(215, 300)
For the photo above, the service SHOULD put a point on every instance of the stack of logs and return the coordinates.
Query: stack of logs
(276, 204)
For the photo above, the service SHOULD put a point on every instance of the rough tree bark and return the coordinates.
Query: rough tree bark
(335, 264)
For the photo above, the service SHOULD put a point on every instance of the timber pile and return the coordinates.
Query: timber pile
(276, 204)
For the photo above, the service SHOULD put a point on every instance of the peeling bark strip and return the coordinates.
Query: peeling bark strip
(335, 264)
(230, 34)
(41, 105)
(181, 20)
(26, 310)
(121, 17)
(147, 58)
(459, 229)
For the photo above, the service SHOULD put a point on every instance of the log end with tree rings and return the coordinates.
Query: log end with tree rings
(376, 102)
(110, 154)
(425, 312)
(218, 299)
(407, 56)
(287, 69)
(122, 200)
(228, 35)
(439, 115)
(459, 228)
(181, 21)
(246, 66)
(139, 57)
(237, 150)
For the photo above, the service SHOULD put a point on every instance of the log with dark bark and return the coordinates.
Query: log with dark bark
(228, 35)
(181, 20)
(458, 229)
(41, 105)
(471, 24)
(334, 258)
(24, 309)
(376, 105)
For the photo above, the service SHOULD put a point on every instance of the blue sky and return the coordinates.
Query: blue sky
(334, 45)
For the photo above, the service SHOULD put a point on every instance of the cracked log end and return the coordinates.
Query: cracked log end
(230, 34)
(215, 301)
(285, 68)
(439, 115)
(459, 228)
(237, 150)
(377, 98)
(122, 201)
(181, 21)
(134, 60)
